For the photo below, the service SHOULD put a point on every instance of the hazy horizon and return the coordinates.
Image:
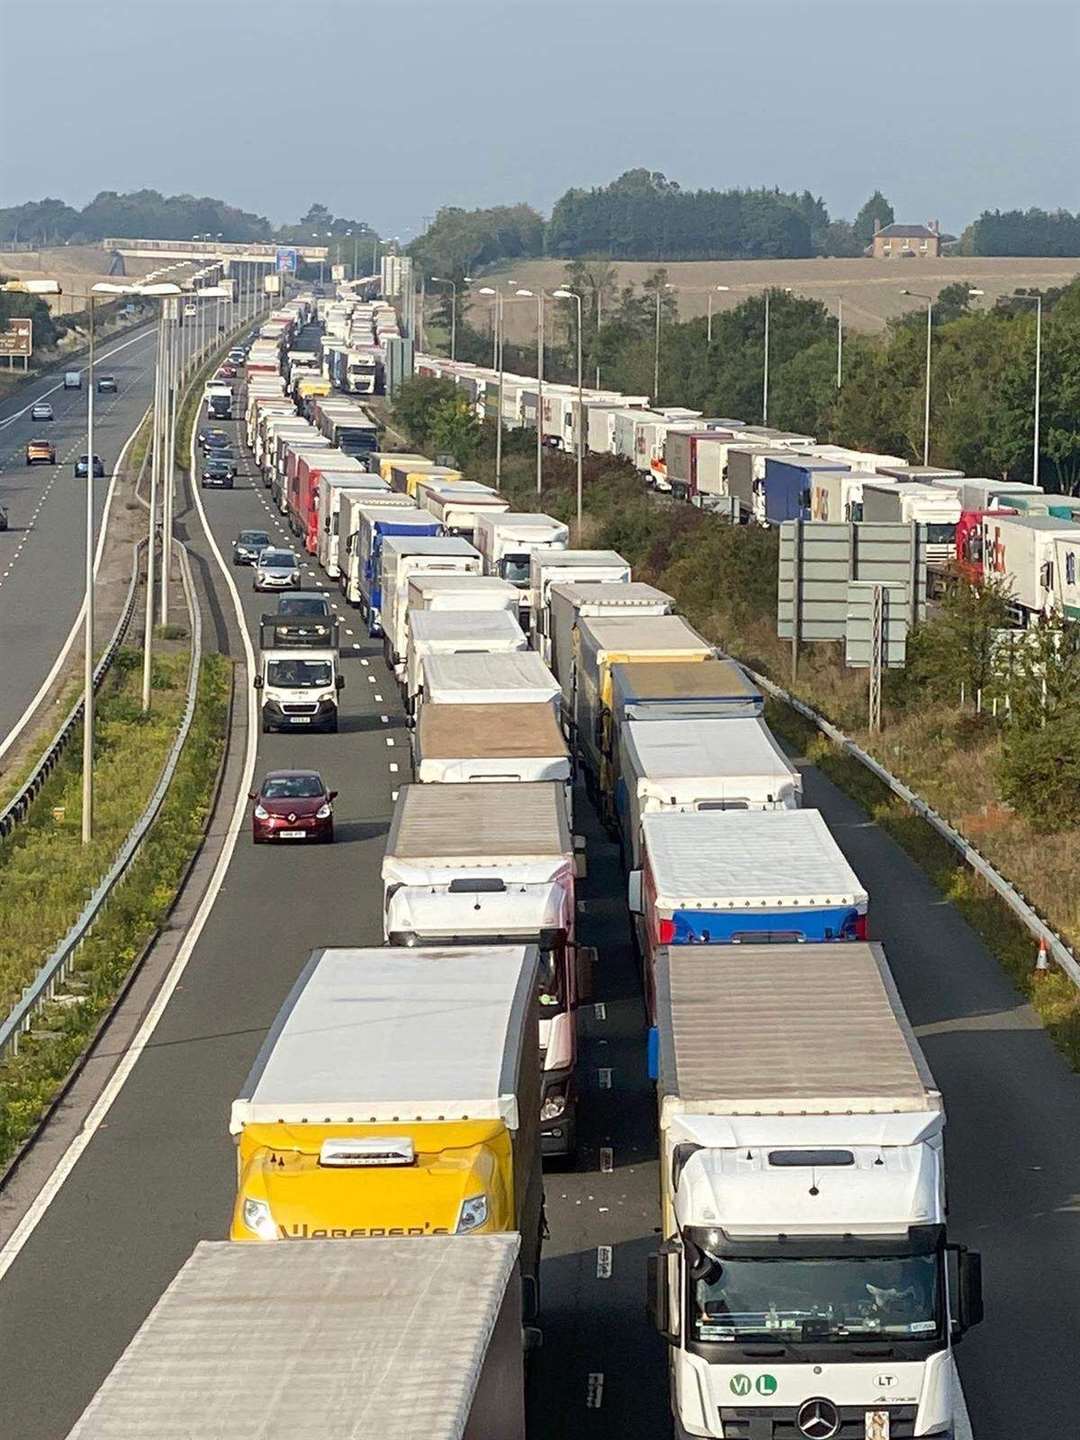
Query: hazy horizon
(387, 114)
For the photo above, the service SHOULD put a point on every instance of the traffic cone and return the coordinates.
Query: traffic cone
(1042, 959)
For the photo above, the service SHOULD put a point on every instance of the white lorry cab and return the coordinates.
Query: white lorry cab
(507, 543)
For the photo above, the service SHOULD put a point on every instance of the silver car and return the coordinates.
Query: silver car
(42, 410)
(277, 570)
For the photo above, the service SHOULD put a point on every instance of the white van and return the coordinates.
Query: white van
(72, 379)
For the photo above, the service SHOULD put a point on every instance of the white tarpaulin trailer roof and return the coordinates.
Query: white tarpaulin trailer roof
(706, 749)
(463, 679)
(752, 859)
(328, 1340)
(353, 1041)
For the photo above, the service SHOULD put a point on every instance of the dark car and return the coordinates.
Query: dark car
(249, 545)
(293, 805)
(304, 619)
(224, 454)
(81, 468)
(304, 605)
(217, 474)
(106, 385)
(3, 518)
(209, 435)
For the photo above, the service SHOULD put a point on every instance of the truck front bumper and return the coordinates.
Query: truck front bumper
(558, 1132)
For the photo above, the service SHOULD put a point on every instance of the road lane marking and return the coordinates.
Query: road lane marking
(594, 1390)
(603, 1078)
(603, 1262)
(599, 1010)
(607, 1160)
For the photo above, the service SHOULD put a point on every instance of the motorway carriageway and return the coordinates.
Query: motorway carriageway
(42, 553)
(159, 1174)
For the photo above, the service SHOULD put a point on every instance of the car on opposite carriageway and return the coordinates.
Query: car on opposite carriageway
(106, 385)
(41, 410)
(249, 545)
(41, 452)
(81, 467)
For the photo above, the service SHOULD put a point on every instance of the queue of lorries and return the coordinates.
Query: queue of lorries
(399, 1111)
(1004, 530)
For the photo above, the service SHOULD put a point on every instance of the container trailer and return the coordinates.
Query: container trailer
(507, 540)
(405, 557)
(789, 483)
(374, 526)
(458, 507)
(1020, 552)
(333, 484)
(456, 632)
(678, 690)
(569, 603)
(470, 678)
(582, 567)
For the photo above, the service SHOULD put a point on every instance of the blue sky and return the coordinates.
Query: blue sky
(384, 111)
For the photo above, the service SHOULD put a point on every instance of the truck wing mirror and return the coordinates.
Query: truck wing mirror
(634, 892)
(258, 682)
(661, 1284)
(969, 1297)
(584, 960)
(339, 682)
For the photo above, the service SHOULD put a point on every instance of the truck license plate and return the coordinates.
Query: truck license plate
(299, 835)
(877, 1425)
(300, 719)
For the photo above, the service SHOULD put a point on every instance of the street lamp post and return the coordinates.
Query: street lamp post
(439, 280)
(708, 311)
(540, 297)
(765, 363)
(572, 295)
(915, 295)
(839, 343)
(656, 348)
(498, 328)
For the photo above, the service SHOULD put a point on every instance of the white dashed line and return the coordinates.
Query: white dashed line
(604, 1255)
(607, 1160)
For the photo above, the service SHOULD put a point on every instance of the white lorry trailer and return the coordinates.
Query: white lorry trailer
(406, 556)
(493, 864)
(519, 678)
(1020, 552)
(907, 502)
(569, 603)
(431, 1340)
(549, 567)
(456, 632)
(804, 1284)
(693, 764)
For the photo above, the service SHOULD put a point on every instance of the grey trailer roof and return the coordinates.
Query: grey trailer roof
(488, 678)
(747, 860)
(799, 1023)
(328, 1340)
(570, 558)
(477, 824)
(480, 628)
(610, 595)
(352, 1043)
(1053, 523)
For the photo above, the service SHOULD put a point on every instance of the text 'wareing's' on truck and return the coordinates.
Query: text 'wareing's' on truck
(805, 1285)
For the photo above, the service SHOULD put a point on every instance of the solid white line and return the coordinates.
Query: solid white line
(60, 385)
(27, 715)
(115, 1084)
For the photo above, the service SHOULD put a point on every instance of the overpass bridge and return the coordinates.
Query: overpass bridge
(252, 253)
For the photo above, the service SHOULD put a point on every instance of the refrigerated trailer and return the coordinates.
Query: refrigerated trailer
(1020, 551)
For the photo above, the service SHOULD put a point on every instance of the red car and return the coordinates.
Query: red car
(226, 372)
(293, 805)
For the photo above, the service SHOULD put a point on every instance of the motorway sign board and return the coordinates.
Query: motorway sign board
(819, 559)
(860, 633)
(288, 257)
(337, 272)
(18, 339)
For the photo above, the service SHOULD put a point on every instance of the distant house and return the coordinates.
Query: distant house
(907, 241)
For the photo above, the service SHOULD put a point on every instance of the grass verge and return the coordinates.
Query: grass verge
(45, 860)
(1052, 994)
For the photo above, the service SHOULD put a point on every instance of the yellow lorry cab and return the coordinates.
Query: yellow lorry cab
(397, 1094)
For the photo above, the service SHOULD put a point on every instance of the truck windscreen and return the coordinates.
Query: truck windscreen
(815, 1301)
(298, 674)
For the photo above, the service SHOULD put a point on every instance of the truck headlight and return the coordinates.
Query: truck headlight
(258, 1219)
(554, 1105)
(473, 1214)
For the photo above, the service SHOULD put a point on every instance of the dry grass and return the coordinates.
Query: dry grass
(870, 289)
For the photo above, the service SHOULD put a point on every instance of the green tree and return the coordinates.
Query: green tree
(415, 404)
(454, 428)
(876, 208)
(1039, 771)
(956, 648)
